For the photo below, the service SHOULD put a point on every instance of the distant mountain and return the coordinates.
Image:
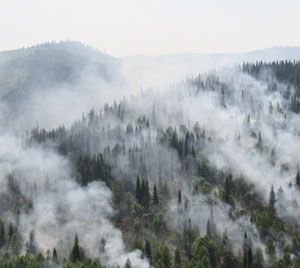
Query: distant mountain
(160, 70)
(49, 65)
(65, 63)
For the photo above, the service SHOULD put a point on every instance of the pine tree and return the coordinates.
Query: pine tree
(155, 196)
(245, 260)
(15, 243)
(146, 196)
(128, 264)
(179, 198)
(259, 143)
(54, 255)
(270, 247)
(272, 199)
(249, 258)
(208, 229)
(138, 189)
(186, 143)
(227, 189)
(177, 258)
(2, 235)
(298, 179)
(31, 246)
(10, 230)
(193, 152)
(166, 257)
(77, 253)
(143, 191)
(148, 251)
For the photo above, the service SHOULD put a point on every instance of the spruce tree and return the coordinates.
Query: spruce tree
(272, 199)
(54, 255)
(166, 257)
(143, 192)
(146, 195)
(10, 230)
(77, 253)
(177, 258)
(2, 235)
(31, 246)
(128, 264)
(155, 196)
(148, 251)
(138, 189)
(179, 198)
(208, 229)
(227, 189)
(298, 179)
(249, 258)
(259, 143)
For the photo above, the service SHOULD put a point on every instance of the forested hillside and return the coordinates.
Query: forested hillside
(48, 65)
(204, 173)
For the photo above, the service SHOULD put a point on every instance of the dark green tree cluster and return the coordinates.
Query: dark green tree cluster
(142, 193)
(93, 168)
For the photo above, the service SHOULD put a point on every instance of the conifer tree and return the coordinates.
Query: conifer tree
(179, 198)
(2, 235)
(298, 179)
(227, 189)
(186, 143)
(10, 230)
(128, 264)
(177, 258)
(272, 199)
(54, 255)
(155, 196)
(166, 257)
(147, 196)
(249, 258)
(138, 192)
(31, 246)
(208, 229)
(259, 143)
(77, 253)
(148, 251)
(143, 191)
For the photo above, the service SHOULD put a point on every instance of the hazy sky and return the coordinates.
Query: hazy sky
(122, 27)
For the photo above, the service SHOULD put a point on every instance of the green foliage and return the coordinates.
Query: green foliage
(270, 247)
(158, 222)
(163, 257)
(227, 193)
(204, 252)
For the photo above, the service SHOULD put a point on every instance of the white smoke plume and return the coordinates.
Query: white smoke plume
(60, 207)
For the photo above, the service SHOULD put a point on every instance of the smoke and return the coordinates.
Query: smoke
(60, 207)
(233, 108)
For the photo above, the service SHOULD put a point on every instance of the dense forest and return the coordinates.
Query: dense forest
(202, 174)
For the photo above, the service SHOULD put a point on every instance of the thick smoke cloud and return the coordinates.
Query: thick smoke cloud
(60, 207)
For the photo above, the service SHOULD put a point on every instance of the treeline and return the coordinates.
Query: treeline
(286, 72)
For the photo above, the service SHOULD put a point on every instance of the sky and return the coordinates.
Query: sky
(152, 27)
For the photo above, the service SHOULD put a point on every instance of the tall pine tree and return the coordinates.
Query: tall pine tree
(155, 196)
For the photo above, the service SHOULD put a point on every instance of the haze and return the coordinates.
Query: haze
(152, 27)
